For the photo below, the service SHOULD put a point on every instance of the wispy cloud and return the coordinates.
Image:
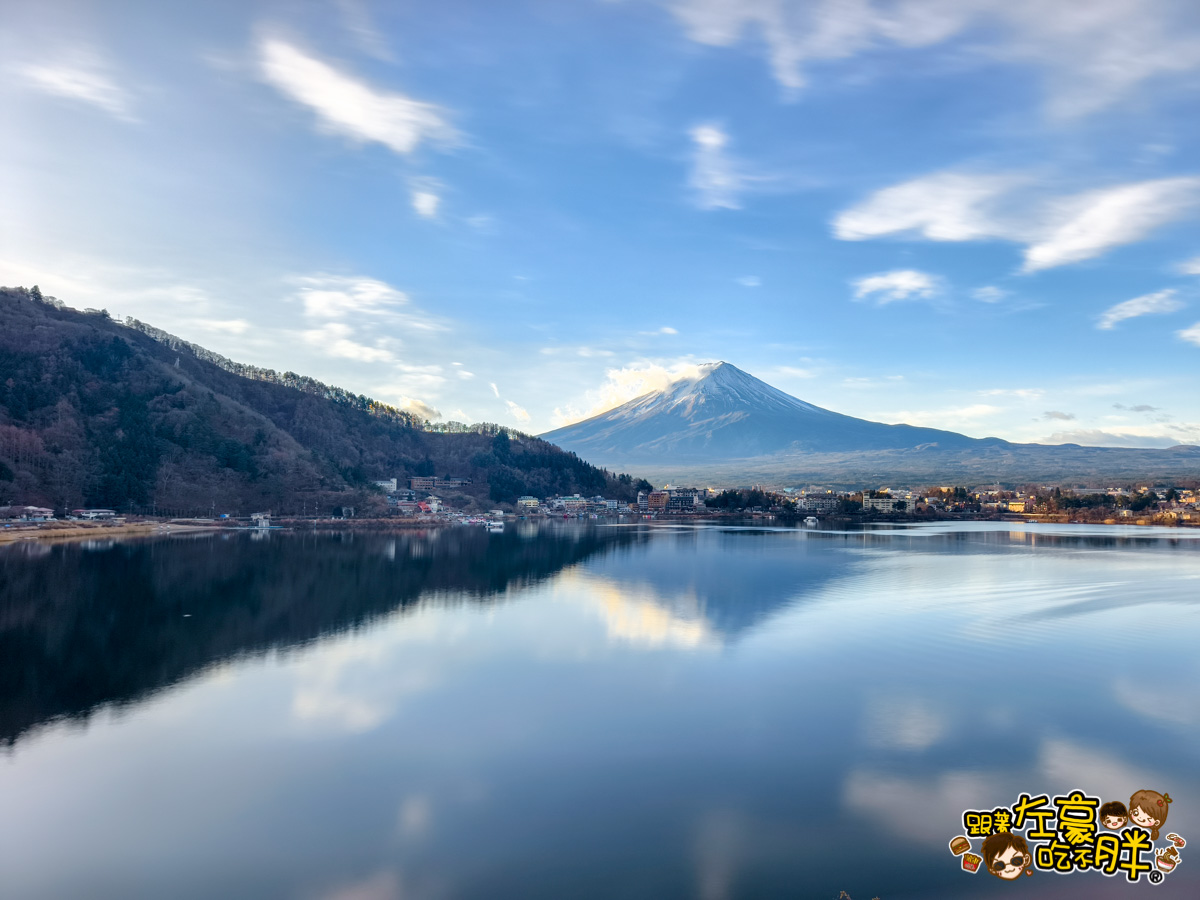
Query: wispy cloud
(798, 33)
(1054, 414)
(337, 339)
(955, 418)
(1056, 230)
(945, 206)
(336, 296)
(84, 77)
(900, 284)
(519, 413)
(1190, 266)
(1147, 304)
(425, 203)
(989, 294)
(419, 408)
(1151, 437)
(350, 107)
(1191, 335)
(1092, 54)
(1090, 224)
(750, 281)
(1023, 393)
(357, 21)
(625, 384)
(716, 179)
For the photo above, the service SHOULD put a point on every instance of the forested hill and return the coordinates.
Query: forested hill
(96, 412)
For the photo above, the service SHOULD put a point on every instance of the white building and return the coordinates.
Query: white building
(885, 504)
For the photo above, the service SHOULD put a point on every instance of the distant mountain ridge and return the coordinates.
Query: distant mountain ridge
(726, 421)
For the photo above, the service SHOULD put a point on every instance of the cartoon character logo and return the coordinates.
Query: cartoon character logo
(1149, 810)
(1113, 815)
(1006, 855)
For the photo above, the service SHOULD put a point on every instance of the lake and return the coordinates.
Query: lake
(571, 710)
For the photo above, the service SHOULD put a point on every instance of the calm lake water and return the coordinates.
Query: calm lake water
(596, 712)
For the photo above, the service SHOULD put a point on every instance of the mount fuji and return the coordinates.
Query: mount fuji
(725, 422)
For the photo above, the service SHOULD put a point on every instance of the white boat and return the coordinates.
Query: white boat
(495, 526)
(812, 521)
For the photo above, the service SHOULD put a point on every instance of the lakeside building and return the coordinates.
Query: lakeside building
(388, 485)
(432, 482)
(820, 503)
(884, 504)
(527, 503)
(26, 513)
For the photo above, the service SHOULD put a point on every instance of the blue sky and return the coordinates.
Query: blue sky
(976, 215)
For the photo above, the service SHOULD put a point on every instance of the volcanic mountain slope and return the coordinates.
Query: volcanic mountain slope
(727, 413)
(726, 423)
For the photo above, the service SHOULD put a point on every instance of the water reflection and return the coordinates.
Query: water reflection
(657, 713)
(100, 622)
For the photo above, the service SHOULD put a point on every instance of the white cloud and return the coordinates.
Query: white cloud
(336, 339)
(798, 32)
(350, 107)
(954, 418)
(418, 408)
(1147, 304)
(1090, 224)
(622, 385)
(715, 178)
(1093, 54)
(1023, 393)
(223, 326)
(425, 203)
(84, 77)
(1057, 415)
(1190, 266)
(989, 294)
(946, 206)
(335, 296)
(1134, 436)
(793, 372)
(517, 412)
(495, 390)
(407, 380)
(901, 284)
(1191, 335)
(750, 281)
(955, 206)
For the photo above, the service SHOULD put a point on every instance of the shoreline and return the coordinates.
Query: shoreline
(58, 531)
(21, 534)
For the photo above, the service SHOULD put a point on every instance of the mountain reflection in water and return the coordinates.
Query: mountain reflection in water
(642, 711)
(83, 625)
